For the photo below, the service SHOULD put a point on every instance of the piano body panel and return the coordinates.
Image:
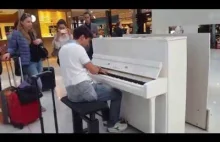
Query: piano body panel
(136, 111)
(155, 87)
(177, 82)
(169, 107)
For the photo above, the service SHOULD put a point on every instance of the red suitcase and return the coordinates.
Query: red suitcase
(21, 115)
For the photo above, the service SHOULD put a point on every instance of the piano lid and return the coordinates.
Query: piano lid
(145, 68)
(138, 56)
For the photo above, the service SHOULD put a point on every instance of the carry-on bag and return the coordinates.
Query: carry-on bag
(48, 80)
(4, 114)
(34, 79)
(22, 114)
(26, 91)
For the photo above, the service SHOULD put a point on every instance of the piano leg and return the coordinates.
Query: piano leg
(152, 114)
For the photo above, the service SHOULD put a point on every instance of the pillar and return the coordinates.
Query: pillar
(213, 36)
(109, 21)
(134, 21)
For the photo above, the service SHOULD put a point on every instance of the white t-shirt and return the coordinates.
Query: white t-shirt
(73, 57)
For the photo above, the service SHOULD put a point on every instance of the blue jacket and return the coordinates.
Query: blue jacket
(18, 46)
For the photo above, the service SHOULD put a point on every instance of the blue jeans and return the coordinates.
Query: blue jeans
(32, 69)
(88, 92)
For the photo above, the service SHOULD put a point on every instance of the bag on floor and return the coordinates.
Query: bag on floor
(48, 80)
(26, 91)
(22, 114)
(4, 114)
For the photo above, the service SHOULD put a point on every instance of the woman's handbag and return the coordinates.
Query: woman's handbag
(42, 51)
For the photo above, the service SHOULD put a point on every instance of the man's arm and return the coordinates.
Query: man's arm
(85, 61)
(92, 68)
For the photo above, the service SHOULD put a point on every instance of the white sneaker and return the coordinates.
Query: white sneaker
(119, 127)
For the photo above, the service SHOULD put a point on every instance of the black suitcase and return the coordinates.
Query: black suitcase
(48, 80)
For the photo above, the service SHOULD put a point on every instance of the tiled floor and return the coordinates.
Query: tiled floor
(64, 114)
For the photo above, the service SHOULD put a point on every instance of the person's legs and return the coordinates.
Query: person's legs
(88, 92)
(33, 69)
(39, 67)
(105, 93)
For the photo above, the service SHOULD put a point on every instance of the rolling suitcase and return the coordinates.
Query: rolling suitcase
(22, 114)
(48, 80)
(4, 114)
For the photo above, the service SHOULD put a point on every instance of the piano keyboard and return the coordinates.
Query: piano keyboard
(121, 83)
(125, 79)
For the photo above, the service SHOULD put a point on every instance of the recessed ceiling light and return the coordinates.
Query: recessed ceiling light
(33, 18)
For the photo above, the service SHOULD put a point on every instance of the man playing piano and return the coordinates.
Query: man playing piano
(75, 65)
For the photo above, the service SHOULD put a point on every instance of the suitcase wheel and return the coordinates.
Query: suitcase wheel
(19, 126)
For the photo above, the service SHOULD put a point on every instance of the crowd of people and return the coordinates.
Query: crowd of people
(74, 54)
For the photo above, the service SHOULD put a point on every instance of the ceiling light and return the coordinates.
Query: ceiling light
(33, 18)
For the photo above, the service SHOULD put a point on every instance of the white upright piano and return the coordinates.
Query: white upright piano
(151, 73)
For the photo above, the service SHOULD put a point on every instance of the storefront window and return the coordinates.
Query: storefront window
(48, 20)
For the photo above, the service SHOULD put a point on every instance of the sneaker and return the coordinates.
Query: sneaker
(119, 127)
(122, 121)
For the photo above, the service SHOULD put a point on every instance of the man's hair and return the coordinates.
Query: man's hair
(82, 30)
(87, 13)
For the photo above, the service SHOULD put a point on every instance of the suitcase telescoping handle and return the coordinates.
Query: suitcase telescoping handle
(21, 69)
(12, 72)
(35, 78)
(48, 64)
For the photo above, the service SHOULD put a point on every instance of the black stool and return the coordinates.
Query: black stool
(79, 112)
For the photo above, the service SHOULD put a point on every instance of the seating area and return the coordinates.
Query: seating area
(80, 112)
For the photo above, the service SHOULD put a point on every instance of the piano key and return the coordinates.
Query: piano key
(126, 79)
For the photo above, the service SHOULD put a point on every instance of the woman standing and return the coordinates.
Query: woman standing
(63, 35)
(21, 44)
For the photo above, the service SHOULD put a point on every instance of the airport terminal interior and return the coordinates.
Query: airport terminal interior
(182, 72)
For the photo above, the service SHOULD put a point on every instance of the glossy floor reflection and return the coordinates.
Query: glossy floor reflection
(64, 113)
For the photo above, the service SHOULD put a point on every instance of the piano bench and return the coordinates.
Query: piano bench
(80, 112)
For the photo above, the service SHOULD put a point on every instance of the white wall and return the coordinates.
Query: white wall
(162, 19)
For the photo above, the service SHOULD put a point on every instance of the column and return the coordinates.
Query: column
(109, 21)
(140, 22)
(213, 36)
(134, 21)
